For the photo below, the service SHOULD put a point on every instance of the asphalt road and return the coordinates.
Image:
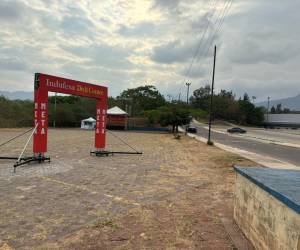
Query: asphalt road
(283, 153)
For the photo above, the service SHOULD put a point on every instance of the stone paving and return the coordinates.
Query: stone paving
(174, 196)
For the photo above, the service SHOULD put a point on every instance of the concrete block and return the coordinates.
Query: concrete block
(267, 207)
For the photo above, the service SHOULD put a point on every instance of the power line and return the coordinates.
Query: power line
(218, 29)
(218, 23)
(218, 20)
(199, 44)
(218, 26)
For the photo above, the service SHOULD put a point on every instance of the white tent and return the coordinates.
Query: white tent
(116, 111)
(89, 123)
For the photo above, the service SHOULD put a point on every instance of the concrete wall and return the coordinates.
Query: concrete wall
(265, 221)
(283, 118)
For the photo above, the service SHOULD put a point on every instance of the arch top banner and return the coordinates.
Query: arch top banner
(43, 84)
(68, 86)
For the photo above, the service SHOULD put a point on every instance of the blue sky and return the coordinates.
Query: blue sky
(123, 44)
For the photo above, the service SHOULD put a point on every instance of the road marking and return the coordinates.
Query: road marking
(260, 159)
(251, 137)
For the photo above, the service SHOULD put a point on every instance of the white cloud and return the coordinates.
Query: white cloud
(126, 43)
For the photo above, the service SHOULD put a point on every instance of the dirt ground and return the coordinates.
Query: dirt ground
(177, 195)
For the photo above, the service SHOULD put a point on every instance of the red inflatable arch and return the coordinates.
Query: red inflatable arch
(45, 83)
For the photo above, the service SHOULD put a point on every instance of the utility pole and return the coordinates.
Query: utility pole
(54, 121)
(128, 105)
(268, 108)
(211, 96)
(179, 97)
(188, 91)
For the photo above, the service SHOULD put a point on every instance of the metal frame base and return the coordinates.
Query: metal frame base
(13, 158)
(27, 160)
(107, 153)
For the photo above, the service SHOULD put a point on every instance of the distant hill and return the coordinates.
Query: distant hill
(292, 103)
(14, 95)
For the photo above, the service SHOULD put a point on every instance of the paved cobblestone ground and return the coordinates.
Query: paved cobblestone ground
(174, 196)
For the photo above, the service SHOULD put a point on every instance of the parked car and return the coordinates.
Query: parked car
(191, 129)
(236, 130)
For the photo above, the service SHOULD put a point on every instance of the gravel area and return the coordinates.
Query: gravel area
(174, 196)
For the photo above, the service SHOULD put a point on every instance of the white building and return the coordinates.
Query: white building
(117, 118)
(89, 123)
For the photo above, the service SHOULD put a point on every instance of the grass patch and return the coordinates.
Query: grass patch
(106, 223)
(230, 159)
(234, 158)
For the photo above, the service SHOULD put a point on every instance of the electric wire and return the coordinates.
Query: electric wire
(213, 4)
(200, 42)
(218, 23)
(219, 28)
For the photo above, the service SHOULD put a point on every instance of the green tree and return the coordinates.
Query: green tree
(224, 106)
(70, 110)
(15, 113)
(278, 108)
(286, 111)
(200, 98)
(249, 114)
(273, 110)
(143, 98)
(246, 98)
(174, 116)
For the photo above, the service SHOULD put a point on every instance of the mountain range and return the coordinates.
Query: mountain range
(14, 95)
(292, 103)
